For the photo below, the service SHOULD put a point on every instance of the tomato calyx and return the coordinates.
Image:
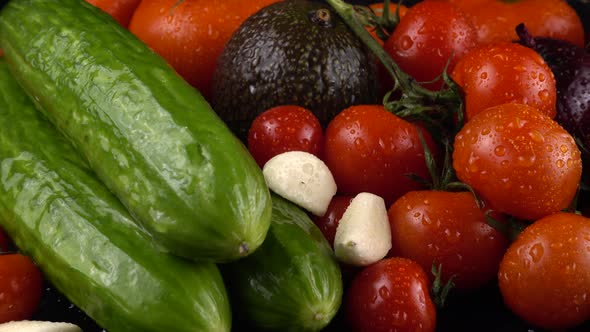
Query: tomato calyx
(384, 24)
(439, 292)
(414, 99)
(444, 179)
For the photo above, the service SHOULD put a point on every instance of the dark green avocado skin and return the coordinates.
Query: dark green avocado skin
(281, 56)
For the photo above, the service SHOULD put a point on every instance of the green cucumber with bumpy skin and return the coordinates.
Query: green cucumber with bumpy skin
(84, 240)
(292, 282)
(148, 135)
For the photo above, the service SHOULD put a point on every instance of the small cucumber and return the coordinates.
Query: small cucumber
(84, 240)
(148, 135)
(292, 282)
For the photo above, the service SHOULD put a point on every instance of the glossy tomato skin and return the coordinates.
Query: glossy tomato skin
(496, 20)
(328, 223)
(120, 10)
(282, 129)
(431, 33)
(391, 295)
(21, 284)
(501, 73)
(191, 34)
(545, 275)
(518, 159)
(368, 149)
(447, 228)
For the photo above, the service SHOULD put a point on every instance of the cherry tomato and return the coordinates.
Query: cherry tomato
(431, 33)
(120, 10)
(545, 275)
(505, 73)
(391, 295)
(21, 284)
(191, 34)
(284, 128)
(519, 160)
(328, 223)
(495, 20)
(447, 228)
(368, 149)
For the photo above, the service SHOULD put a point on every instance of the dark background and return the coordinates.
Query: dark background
(481, 311)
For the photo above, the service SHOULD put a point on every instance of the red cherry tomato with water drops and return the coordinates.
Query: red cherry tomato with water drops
(502, 73)
(447, 228)
(21, 285)
(391, 295)
(191, 34)
(282, 129)
(120, 10)
(545, 275)
(369, 149)
(328, 223)
(431, 33)
(496, 19)
(518, 159)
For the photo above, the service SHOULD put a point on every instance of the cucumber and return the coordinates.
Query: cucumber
(292, 282)
(148, 135)
(84, 240)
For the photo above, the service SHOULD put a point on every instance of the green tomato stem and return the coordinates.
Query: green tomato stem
(409, 87)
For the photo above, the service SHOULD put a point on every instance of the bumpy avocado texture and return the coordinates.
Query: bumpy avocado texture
(293, 52)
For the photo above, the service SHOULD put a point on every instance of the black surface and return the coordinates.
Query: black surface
(481, 311)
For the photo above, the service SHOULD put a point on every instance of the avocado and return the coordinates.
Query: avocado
(293, 52)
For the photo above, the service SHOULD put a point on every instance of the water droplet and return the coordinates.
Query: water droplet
(541, 77)
(564, 149)
(560, 163)
(544, 95)
(504, 163)
(500, 151)
(452, 236)
(549, 148)
(536, 136)
(384, 292)
(406, 42)
(307, 168)
(518, 68)
(536, 252)
(483, 75)
(526, 161)
(485, 131)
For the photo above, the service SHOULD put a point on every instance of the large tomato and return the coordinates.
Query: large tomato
(431, 35)
(191, 34)
(369, 149)
(447, 228)
(501, 73)
(519, 160)
(120, 10)
(496, 20)
(20, 287)
(391, 295)
(545, 275)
